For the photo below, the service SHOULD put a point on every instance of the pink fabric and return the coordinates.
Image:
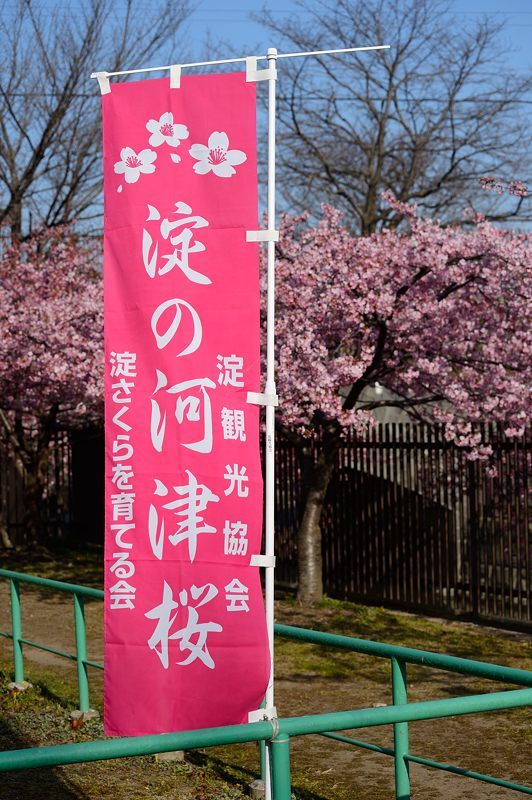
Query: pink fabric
(185, 634)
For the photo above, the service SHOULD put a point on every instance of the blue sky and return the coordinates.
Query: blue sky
(230, 22)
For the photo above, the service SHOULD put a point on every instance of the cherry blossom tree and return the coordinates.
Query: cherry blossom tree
(438, 315)
(51, 353)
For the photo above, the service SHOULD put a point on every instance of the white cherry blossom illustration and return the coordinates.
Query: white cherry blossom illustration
(216, 156)
(165, 130)
(132, 164)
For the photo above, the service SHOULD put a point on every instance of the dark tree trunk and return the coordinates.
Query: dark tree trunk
(309, 560)
(32, 452)
(35, 523)
(5, 539)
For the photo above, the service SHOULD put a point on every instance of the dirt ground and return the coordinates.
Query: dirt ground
(308, 680)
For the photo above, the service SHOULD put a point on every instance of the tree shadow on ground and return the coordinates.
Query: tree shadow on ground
(32, 784)
(234, 774)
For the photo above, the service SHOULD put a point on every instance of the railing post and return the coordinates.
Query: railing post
(81, 653)
(16, 630)
(263, 765)
(280, 753)
(400, 731)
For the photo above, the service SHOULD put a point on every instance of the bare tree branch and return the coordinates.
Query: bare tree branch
(50, 161)
(424, 120)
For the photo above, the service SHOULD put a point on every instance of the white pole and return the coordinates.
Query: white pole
(270, 389)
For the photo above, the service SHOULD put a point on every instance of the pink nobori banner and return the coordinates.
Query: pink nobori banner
(185, 632)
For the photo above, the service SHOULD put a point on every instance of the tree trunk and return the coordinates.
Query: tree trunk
(5, 539)
(34, 517)
(309, 560)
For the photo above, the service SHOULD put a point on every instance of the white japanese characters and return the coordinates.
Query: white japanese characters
(191, 401)
(183, 513)
(235, 538)
(233, 424)
(193, 635)
(231, 372)
(123, 368)
(191, 502)
(237, 478)
(179, 233)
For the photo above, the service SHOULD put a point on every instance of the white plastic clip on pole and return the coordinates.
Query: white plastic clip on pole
(103, 80)
(253, 75)
(262, 399)
(262, 236)
(175, 76)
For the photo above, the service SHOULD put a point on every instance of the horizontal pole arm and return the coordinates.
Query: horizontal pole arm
(240, 60)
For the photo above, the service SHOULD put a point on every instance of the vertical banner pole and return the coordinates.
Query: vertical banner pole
(270, 390)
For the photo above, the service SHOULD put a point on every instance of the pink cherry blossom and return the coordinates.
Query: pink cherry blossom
(438, 315)
(51, 351)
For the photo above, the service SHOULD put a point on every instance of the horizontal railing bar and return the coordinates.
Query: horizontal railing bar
(60, 586)
(465, 773)
(468, 773)
(359, 743)
(94, 664)
(421, 657)
(293, 726)
(465, 666)
(89, 663)
(105, 749)
(48, 649)
(428, 709)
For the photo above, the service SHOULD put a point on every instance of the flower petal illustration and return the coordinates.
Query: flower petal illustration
(202, 167)
(163, 130)
(132, 164)
(216, 156)
(218, 139)
(236, 157)
(127, 152)
(156, 139)
(199, 151)
(147, 156)
(224, 170)
(132, 175)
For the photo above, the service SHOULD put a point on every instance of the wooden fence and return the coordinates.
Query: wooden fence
(57, 496)
(408, 521)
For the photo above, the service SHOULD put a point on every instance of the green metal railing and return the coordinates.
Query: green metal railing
(79, 593)
(278, 732)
